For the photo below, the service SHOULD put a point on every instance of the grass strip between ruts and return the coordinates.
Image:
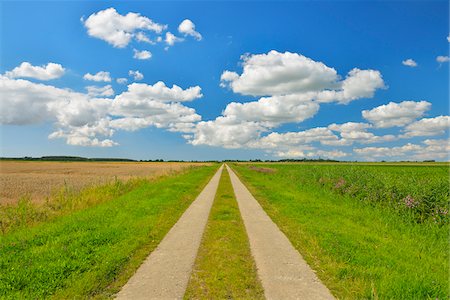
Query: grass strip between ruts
(92, 253)
(224, 268)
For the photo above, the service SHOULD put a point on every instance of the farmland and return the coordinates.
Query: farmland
(369, 230)
(92, 251)
(40, 180)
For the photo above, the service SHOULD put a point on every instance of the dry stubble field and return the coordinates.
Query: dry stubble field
(40, 180)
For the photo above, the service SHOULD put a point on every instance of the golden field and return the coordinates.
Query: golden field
(39, 180)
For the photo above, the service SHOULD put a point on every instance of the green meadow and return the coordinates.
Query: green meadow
(370, 231)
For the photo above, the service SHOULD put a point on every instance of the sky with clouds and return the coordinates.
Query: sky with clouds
(225, 80)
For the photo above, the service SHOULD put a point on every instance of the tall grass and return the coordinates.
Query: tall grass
(418, 193)
(67, 200)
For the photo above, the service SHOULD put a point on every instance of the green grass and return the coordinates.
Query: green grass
(359, 249)
(66, 201)
(92, 252)
(224, 268)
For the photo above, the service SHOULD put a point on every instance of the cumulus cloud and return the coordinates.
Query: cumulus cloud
(442, 59)
(288, 73)
(396, 114)
(352, 132)
(429, 149)
(142, 37)
(90, 120)
(100, 76)
(187, 27)
(171, 39)
(143, 55)
(100, 91)
(159, 92)
(121, 80)
(293, 153)
(44, 72)
(298, 139)
(225, 132)
(117, 29)
(278, 73)
(409, 63)
(448, 38)
(293, 86)
(358, 84)
(274, 110)
(136, 75)
(427, 127)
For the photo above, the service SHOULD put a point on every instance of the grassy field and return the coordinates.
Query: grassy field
(93, 251)
(224, 268)
(369, 231)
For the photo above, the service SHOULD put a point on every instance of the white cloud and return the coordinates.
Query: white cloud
(358, 84)
(442, 59)
(274, 110)
(430, 149)
(44, 72)
(225, 132)
(138, 92)
(448, 38)
(117, 29)
(427, 127)
(311, 154)
(86, 135)
(409, 63)
(121, 80)
(352, 132)
(396, 114)
(100, 76)
(295, 85)
(171, 39)
(144, 54)
(142, 37)
(277, 140)
(85, 120)
(100, 91)
(136, 75)
(278, 73)
(188, 28)
(288, 73)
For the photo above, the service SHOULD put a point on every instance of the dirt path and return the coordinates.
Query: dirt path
(282, 270)
(166, 271)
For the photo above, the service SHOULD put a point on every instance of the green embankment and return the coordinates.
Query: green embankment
(361, 247)
(224, 268)
(92, 252)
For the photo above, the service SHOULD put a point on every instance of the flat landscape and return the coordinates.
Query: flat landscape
(225, 150)
(369, 231)
(40, 180)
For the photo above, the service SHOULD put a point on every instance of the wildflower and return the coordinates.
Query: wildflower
(341, 182)
(410, 202)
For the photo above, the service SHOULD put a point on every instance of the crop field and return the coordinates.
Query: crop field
(375, 231)
(40, 180)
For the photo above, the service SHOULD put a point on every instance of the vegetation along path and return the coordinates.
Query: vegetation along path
(283, 272)
(166, 271)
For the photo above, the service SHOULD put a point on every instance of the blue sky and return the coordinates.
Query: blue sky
(294, 52)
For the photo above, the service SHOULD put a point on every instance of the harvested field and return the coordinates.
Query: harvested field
(39, 180)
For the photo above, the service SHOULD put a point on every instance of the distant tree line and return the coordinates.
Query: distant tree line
(109, 159)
